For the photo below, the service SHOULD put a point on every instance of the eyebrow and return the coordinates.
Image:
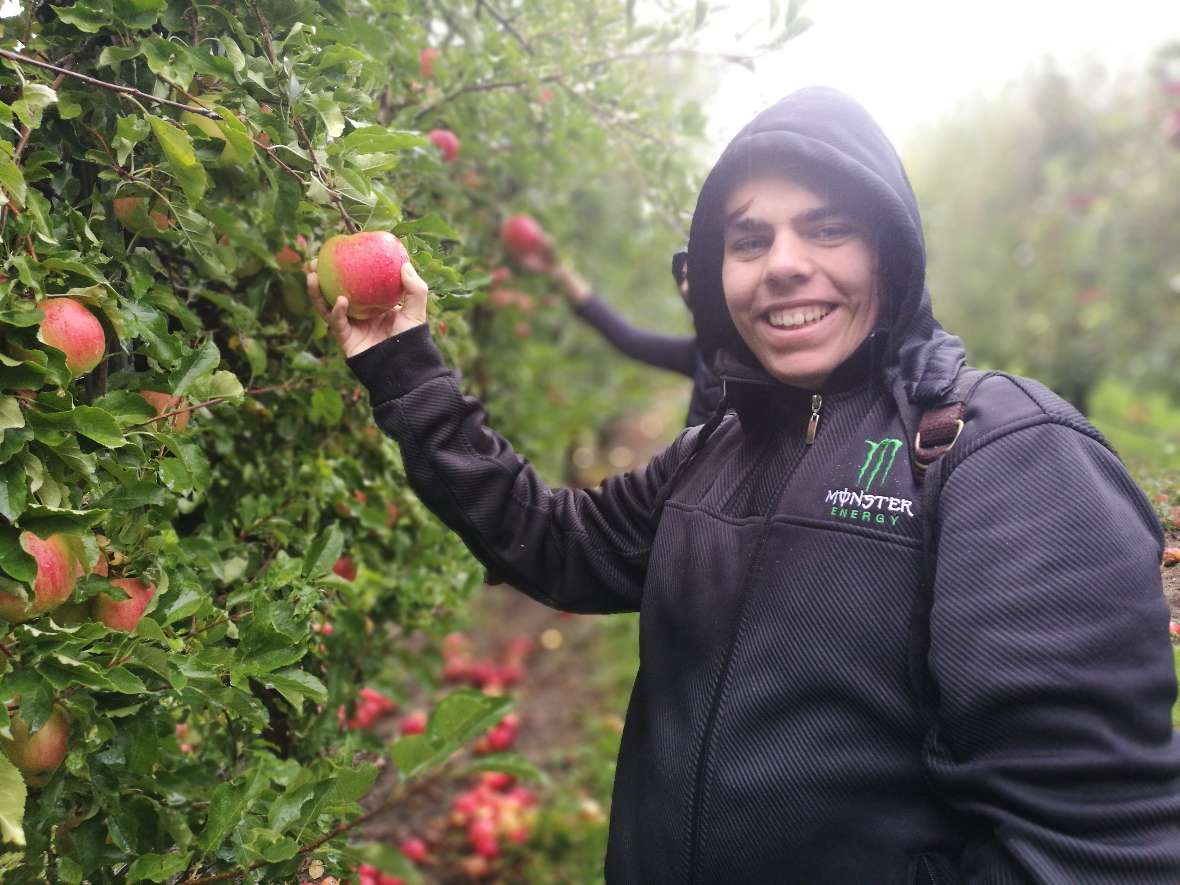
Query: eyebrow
(737, 222)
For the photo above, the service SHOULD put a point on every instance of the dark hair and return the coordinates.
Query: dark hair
(680, 267)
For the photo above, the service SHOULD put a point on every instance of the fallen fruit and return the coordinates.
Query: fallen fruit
(414, 849)
(1171, 556)
(413, 723)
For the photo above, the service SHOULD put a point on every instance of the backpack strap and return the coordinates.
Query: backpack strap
(938, 431)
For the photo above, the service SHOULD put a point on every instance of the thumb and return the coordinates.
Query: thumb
(414, 300)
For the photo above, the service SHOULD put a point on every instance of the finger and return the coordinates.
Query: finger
(316, 297)
(338, 319)
(414, 300)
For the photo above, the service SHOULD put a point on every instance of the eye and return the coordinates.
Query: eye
(749, 244)
(834, 232)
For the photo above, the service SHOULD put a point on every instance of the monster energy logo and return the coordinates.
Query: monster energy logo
(861, 505)
(878, 462)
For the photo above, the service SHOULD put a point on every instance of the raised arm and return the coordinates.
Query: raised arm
(577, 550)
(1054, 675)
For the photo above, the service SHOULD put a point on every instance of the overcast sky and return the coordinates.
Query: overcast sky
(908, 61)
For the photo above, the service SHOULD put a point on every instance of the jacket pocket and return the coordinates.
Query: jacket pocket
(932, 869)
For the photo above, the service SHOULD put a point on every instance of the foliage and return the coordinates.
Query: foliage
(303, 117)
(1051, 250)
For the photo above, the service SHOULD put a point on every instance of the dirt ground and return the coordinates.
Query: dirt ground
(1171, 578)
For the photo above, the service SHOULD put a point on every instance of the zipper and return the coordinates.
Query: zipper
(931, 876)
(715, 705)
(817, 403)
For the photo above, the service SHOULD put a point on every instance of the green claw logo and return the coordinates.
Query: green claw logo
(879, 461)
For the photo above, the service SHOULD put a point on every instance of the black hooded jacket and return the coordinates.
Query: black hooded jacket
(825, 694)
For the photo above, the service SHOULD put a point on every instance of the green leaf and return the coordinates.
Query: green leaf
(182, 160)
(14, 490)
(227, 808)
(10, 413)
(13, 181)
(13, 559)
(219, 384)
(378, 139)
(132, 495)
(327, 407)
(196, 365)
(35, 98)
(329, 110)
(465, 714)
(157, 867)
(90, 16)
(12, 803)
(430, 226)
(286, 808)
(138, 14)
(93, 423)
(294, 684)
(353, 784)
(129, 132)
(414, 754)
(236, 134)
(45, 521)
(323, 552)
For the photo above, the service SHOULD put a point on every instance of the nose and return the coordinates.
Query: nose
(788, 263)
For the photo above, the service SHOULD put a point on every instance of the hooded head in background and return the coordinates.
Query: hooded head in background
(828, 144)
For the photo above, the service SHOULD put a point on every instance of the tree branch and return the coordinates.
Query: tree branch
(103, 84)
(504, 23)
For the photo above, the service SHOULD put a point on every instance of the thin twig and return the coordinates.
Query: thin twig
(104, 84)
(505, 24)
(269, 48)
(253, 391)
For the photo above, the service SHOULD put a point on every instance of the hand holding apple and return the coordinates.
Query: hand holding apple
(356, 335)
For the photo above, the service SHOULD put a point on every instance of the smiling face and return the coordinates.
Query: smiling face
(799, 279)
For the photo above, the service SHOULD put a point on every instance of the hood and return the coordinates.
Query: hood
(829, 141)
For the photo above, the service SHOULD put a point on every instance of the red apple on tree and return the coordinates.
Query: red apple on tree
(124, 614)
(426, 59)
(365, 268)
(38, 755)
(521, 235)
(74, 330)
(166, 402)
(134, 214)
(345, 568)
(58, 570)
(447, 142)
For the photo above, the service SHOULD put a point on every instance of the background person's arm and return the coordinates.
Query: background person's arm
(676, 353)
(1055, 678)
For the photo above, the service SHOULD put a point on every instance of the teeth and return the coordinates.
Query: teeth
(801, 316)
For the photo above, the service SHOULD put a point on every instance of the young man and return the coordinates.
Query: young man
(860, 662)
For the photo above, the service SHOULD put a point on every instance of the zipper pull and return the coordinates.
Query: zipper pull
(817, 403)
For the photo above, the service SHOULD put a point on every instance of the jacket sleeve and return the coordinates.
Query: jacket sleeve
(676, 354)
(578, 550)
(1054, 674)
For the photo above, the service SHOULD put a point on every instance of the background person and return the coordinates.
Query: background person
(860, 661)
(676, 353)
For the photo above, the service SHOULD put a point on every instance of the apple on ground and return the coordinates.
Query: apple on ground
(58, 570)
(124, 614)
(38, 755)
(366, 268)
(414, 849)
(413, 723)
(447, 142)
(71, 328)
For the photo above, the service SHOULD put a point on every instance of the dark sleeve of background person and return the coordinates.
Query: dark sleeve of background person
(671, 352)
